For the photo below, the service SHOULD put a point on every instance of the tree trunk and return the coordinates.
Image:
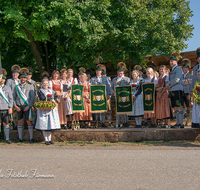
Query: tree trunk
(35, 51)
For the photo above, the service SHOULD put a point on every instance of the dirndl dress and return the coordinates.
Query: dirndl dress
(47, 120)
(138, 108)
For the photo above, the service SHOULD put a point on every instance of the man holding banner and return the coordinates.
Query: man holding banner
(6, 104)
(101, 108)
(121, 80)
(24, 97)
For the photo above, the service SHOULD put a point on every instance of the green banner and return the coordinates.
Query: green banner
(148, 90)
(77, 98)
(98, 98)
(124, 100)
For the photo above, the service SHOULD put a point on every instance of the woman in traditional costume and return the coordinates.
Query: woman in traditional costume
(85, 116)
(138, 108)
(150, 78)
(47, 120)
(162, 100)
(56, 85)
(67, 95)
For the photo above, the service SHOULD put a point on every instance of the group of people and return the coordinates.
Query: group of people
(174, 90)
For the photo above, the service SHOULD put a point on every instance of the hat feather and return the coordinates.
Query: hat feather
(138, 67)
(82, 69)
(23, 70)
(45, 73)
(186, 60)
(4, 71)
(15, 67)
(103, 67)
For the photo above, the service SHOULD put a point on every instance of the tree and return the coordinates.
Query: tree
(77, 33)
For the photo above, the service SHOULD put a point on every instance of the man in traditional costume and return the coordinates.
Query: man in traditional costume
(6, 104)
(187, 83)
(29, 76)
(175, 87)
(23, 98)
(101, 80)
(120, 80)
(12, 83)
(194, 80)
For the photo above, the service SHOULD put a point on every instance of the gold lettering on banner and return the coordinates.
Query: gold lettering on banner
(124, 91)
(77, 90)
(148, 89)
(98, 104)
(124, 106)
(97, 91)
(75, 97)
(78, 104)
(149, 104)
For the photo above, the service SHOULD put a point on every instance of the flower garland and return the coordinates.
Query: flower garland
(196, 89)
(45, 104)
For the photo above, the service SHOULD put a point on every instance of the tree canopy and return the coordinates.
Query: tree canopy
(72, 33)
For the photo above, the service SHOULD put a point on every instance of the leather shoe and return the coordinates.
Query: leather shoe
(8, 141)
(31, 141)
(47, 142)
(19, 140)
(51, 142)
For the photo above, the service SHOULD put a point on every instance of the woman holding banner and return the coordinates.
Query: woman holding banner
(138, 108)
(85, 116)
(150, 78)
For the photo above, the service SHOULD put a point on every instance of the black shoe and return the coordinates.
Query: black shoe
(126, 125)
(152, 126)
(47, 142)
(8, 141)
(145, 124)
(181, 126)
(51, 142)
(31, 141)
(176, 126)
(103, 125)
(138, 126)
(19, 140)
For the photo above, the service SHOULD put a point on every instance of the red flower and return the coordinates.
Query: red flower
(133, 84)
(49, 95)
(198, 89)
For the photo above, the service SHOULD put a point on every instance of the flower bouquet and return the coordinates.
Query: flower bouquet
(46, 105)
(196, 93)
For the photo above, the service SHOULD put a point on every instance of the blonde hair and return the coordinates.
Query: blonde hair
(70, 70)
(134, 71)
(86, 78)
(156, 73)
(45, 79)
(150, 70)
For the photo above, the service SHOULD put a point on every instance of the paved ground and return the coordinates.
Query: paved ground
(101, 167)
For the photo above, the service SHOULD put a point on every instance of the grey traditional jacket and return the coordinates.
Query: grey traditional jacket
(104, 80)
(11, 83)
(187, 83)
(195, 76)
(31, 81)
(176, 79)
(8, 94)
(28, 90)
(115, 82)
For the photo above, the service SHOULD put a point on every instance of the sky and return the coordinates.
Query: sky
(194, 42)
